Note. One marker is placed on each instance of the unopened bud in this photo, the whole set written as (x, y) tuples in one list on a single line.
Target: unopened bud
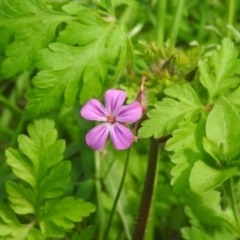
[(141, 97)]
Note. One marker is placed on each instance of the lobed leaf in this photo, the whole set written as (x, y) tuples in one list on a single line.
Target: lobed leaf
[(33, 28), (11, 229), (224, 64), (169, 112), (187, 146), (74, 71), (36, 153), (22, 199), (223, 131), (59, 215)]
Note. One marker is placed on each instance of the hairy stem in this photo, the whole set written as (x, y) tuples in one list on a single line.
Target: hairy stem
[(147, 191), (106, 235)]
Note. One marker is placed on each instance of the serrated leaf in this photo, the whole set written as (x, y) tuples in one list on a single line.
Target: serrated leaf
[(36, 153), (63, 213), (22, 199), (187, 145), (204, 178), (169, 112), (222, 128), (225, 65), (69, 72), (33, 27)]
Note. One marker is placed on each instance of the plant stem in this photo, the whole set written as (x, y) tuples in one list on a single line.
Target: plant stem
[(231, 13), (161, 14), (147, 192), (106, 235), (177, 21), (233, 203), (11, 106)]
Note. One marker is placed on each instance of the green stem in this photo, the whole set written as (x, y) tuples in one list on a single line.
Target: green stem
[(8, 104), (231, 14), (106, 236), (100, 212), (230, 186), (147, 191), (177, 21), (161, 14)]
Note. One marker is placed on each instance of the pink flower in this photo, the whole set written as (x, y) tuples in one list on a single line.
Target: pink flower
[(114, 116)]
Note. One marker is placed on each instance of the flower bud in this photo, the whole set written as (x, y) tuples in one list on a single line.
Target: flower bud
[(141, 97)]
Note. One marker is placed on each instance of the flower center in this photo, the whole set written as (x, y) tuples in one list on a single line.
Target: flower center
[(111, 119)]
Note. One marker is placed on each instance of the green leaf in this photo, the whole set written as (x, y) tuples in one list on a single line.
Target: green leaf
[(86, 234), (199, 231), (207, 208), (222, 129), (187, 146), (224, 65), (22, 199), (61, 214), (234, 98), (81, 71), (11, 229), (59, 177), (36, 153), (204, 178), (169, 112), (33, 27), (111, 4)]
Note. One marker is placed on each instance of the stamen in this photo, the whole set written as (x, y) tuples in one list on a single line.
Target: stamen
[(111, 119)]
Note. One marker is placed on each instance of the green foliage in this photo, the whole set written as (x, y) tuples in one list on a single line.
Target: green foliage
[(222, 132), (32, 25), (111, 4), (187, 147), (38, 162), (170, 112), (204, 178), (218, 77), (200, 231), (70, 71)]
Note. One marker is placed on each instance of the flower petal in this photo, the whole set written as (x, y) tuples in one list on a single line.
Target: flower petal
[(97, 137), (121, 136), (113, 100), (129, 113), (94, 110)]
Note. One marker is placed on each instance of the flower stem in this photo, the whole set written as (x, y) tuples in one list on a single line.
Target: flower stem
[(147, 192), (106, 235), (233, 203)]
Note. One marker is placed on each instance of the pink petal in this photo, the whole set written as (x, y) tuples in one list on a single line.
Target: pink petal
[(94, 110), (121, 136), (113, 100), (97, 137), (129, 113)]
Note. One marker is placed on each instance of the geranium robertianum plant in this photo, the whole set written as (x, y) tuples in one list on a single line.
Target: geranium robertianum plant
[(172, 171)]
